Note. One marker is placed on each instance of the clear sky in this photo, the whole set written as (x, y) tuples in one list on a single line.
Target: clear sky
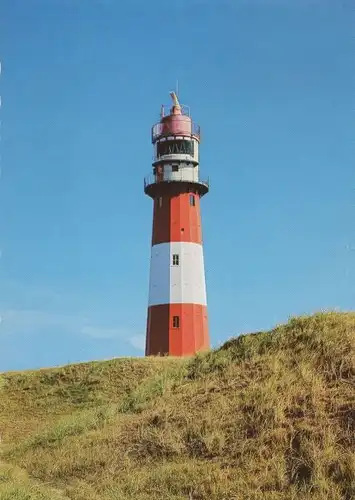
[(271, 83)]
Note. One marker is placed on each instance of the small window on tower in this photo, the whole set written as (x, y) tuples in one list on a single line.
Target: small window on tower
[(176, 321), (160, 202), (192, 200), (175, 168), (175, 259)]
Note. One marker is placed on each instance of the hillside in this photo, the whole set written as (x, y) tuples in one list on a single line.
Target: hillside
[(267, 416)]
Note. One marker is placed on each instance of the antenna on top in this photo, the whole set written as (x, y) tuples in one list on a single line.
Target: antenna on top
[(177, 88)]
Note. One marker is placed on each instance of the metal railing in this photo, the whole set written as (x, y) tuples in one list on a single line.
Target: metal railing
[(157, 130), (166, 109), (174, 177)]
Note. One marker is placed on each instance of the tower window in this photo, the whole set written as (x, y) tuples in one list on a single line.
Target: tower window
[(176, 259), (160, 202), (176, 321), (175, 168), (192, 200)]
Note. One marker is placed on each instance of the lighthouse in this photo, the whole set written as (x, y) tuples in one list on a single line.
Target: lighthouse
[(177, 320)]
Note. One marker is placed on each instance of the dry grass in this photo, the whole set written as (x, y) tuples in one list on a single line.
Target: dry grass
[(268, 416)]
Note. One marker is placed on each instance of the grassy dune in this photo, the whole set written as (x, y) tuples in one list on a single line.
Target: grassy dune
[(267, 416)]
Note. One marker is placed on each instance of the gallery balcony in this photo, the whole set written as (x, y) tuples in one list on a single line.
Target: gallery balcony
[(155, 185)]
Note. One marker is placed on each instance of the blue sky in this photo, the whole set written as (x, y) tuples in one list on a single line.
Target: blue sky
[(272, 85)]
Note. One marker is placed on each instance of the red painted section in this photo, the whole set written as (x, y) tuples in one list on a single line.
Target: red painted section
[(190, 337), (176, 125), (175, 219)]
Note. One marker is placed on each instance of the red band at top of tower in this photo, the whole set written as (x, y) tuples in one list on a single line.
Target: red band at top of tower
[(177, 122)]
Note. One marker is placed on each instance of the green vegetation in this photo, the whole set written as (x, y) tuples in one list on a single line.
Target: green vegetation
[(267, 416)]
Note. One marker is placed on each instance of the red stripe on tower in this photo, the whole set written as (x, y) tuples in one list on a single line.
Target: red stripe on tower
[(177, 322)]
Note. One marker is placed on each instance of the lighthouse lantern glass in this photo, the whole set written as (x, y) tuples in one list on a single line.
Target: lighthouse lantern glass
[(175, 147)]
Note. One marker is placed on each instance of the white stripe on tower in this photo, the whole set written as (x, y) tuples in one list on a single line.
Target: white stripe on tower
[(177, 274)]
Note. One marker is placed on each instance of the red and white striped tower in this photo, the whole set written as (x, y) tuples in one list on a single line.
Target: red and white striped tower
[(177, 322)]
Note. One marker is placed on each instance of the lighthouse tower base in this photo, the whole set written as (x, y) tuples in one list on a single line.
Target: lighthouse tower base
[(186, 341)]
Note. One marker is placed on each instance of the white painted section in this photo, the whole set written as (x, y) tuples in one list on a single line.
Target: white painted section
[(187, 172), (177, 157), (173, 137), (182, 284)]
